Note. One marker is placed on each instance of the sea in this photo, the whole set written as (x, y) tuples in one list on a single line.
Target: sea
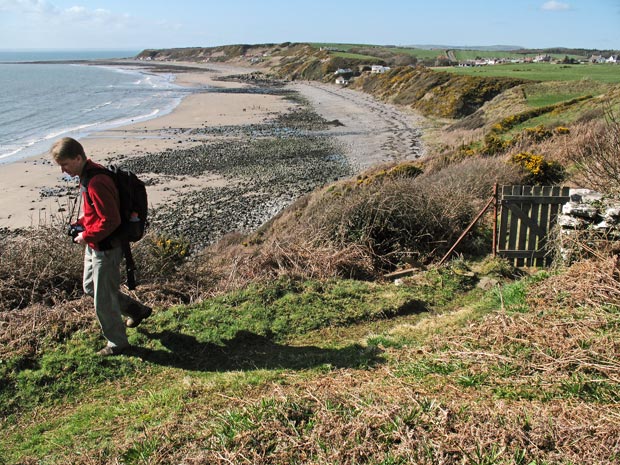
[(44, 98)]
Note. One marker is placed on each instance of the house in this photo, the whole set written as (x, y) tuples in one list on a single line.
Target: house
[(379, 69), (343, 71), (342, 81), (597, 59), (542, 59), (612, 59)]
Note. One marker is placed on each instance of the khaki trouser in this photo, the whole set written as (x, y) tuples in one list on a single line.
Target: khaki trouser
[(102, 279)]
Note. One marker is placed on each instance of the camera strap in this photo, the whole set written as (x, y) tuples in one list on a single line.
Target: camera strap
[(76, 202)]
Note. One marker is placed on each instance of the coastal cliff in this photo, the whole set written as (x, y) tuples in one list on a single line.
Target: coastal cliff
[(430, 92)]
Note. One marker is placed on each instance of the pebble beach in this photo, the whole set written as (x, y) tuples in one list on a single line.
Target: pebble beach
[(229, 157)]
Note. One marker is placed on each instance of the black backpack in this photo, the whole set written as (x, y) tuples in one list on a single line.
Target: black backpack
[(133, 200), (133, 210)]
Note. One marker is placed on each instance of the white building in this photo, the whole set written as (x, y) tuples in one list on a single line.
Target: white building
[(378, 69)]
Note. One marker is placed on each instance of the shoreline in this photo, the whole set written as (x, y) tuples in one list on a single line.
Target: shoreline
[(231, 123), (28, 196)]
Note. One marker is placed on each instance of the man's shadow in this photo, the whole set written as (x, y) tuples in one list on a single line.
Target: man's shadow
[(248, 351)]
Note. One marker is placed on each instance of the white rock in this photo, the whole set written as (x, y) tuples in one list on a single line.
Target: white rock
[(584, 195), (581, 210), (567, 221)]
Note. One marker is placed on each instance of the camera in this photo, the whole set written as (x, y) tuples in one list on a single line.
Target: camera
[(73, 230)]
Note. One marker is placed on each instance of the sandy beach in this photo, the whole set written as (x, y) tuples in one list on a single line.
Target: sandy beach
[(33, 191)]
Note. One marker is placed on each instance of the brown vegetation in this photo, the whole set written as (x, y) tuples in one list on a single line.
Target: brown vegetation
[(528, 383), (596, 155), (38, 266), (434, 93)]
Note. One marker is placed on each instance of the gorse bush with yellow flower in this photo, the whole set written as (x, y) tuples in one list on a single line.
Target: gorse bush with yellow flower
[(539, 171), (168, 252)]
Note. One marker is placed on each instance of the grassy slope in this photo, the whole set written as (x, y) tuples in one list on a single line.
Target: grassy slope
[(434, 371), (341, 372)]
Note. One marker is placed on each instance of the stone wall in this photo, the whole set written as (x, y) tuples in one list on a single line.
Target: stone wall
[(588, 221)]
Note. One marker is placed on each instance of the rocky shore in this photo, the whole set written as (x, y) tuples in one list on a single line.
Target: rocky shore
[(236, 151), (266, 168)]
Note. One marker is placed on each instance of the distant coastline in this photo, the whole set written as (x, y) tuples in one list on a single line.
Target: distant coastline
[(21, 56)]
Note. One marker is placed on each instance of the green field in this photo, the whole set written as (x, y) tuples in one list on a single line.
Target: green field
[(345, 48), (473, 54), (355, 56), (543, 72), (434, 53)]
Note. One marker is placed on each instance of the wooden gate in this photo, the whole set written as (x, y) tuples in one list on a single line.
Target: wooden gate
[(527, 214)]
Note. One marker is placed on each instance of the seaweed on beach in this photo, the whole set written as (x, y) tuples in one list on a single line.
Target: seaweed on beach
[(268, 166), (265, 176)]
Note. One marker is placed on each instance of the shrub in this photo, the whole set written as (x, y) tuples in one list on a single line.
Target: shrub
[(159, 256), (537, 134), (494, 145), (596, 157), (539, 171), (406, 170), (409, 217), (39, 265)]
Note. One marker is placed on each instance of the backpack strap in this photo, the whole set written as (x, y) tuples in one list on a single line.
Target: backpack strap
[(130, 265), (88, 175)]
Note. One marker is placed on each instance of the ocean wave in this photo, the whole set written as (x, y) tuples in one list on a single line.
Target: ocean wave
[(131, 119), (96, 107), (7, 151), (98, 102), (14, 150)]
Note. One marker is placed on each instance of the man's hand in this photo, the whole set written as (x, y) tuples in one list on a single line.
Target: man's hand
[(79, 239)]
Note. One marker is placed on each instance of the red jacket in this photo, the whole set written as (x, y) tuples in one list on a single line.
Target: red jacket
[(101, 206)]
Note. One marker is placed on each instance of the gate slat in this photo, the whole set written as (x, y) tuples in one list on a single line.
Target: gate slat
[(514, 224), (524, 223), (502, 239), (534, 237)]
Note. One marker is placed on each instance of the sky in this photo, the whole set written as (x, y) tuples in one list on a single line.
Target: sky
[(141, 24)]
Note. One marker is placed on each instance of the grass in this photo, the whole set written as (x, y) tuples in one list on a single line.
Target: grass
[(550, 93), (543, 72), (418, 52), (226, 344), (247, 329), (473, 54), (434, 53), (355, 56), (325, 372), (432, 370), (550, 99)]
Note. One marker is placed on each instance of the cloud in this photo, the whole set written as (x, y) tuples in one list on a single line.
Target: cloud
[(99, 15), (40, 7), (44, 11), (553, 5)]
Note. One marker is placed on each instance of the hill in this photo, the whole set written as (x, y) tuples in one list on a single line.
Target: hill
[(329, 371), (291, 345), (446, 92)]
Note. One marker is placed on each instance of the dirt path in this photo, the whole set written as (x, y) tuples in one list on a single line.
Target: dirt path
[(374, 132)]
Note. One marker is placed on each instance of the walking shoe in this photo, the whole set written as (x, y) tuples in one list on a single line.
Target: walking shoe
[(132, 322), (112, 350)]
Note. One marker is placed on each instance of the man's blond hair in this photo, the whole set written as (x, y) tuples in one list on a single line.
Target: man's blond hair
[(67, 148)]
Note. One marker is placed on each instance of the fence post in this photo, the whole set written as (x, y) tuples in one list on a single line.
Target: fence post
[(495, 212)]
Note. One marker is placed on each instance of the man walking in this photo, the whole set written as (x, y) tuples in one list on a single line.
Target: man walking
[(100, 232)]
